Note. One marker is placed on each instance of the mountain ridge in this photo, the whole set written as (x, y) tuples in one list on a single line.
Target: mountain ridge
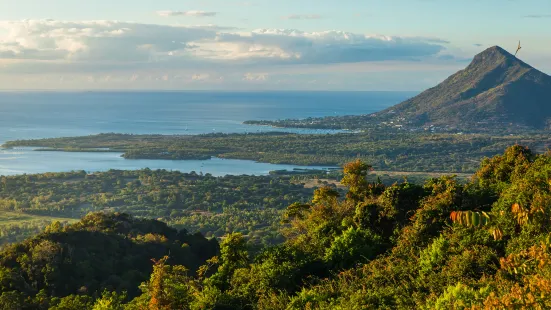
[(496, 88), (497, 92)]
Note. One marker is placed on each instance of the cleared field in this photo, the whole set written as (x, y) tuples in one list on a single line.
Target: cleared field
[(10, 218), (15, 226)]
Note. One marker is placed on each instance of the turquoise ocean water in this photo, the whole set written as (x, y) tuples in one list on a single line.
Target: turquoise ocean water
[(30, 115)]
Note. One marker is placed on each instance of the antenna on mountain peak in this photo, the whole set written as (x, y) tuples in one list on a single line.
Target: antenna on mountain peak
[(518, 48)]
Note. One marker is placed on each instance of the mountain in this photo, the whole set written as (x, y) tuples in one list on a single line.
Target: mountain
[(495, 90)]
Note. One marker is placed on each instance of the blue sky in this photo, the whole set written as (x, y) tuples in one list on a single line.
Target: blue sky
[(258, 44)]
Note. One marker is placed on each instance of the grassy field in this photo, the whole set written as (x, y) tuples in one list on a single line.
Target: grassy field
[(10, 218), (15, 226)]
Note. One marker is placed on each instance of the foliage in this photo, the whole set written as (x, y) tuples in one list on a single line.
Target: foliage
[(353, 245), (211, 205), (397, 150), (387, 247), (101, 252)]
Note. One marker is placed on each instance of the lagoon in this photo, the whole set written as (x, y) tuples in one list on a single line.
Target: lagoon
[(27, 161), (32, 115)]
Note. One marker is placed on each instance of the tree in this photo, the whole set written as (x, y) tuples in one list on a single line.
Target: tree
[(110, 301), (233, 255), (355, 174), (325, 194), (72, 302), (12, 300), (354, 245)]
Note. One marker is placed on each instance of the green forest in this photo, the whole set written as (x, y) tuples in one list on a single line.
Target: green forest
[(214, 206), (441, 244), (383, 149)]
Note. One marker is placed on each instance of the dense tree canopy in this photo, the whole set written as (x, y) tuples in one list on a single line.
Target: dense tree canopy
[(101, 252), (212, 205), (402, 246)]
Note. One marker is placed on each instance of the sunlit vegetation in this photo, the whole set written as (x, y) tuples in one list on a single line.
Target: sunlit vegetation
[(383, 149), (16, 226), (110, 253), (400, 246), (212, 205)]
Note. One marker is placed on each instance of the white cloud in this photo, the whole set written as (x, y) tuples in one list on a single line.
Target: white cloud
[(295, 46), (200, 77), (95, 40), (120, 43), (186, 13), (138, 54), (261, 77)]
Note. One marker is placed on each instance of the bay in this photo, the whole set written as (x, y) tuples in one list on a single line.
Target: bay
[(25, 160), (32, 115)]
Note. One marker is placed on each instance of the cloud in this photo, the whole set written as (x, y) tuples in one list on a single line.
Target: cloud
[(200, 77), (118, 55), (446, 57), (299, 16), (93, 41), (389, 75), (294, 46), (258, 77), (186, 13), (538, 16), (114, 44)]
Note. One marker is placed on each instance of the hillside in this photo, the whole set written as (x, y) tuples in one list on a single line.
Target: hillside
[(496, 89), (484, 244), (101, 251), (496, 92)]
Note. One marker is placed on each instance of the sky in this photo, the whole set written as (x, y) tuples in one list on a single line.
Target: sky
[(371, 45)]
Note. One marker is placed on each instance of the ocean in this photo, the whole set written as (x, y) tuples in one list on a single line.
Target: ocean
[(31, 115)]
